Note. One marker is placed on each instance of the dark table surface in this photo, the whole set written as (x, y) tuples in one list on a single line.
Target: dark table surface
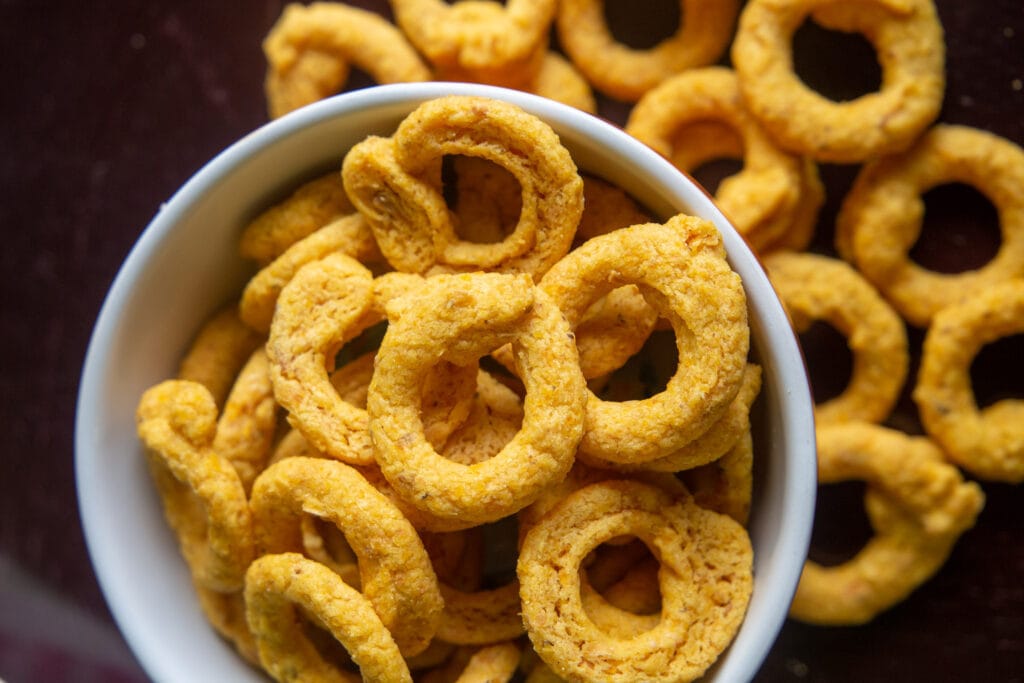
[(108, 107)]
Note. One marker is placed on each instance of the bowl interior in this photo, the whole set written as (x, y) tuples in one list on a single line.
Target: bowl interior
[(185, 265)]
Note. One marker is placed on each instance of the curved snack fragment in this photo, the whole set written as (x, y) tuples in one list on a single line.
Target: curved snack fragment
[(395, 571), (279, 587), (918, 505), (310, 48), (987, 442)]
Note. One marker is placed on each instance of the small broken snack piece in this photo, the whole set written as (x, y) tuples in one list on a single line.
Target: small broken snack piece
[(705, 581), (626, 73), (883, 214), (988, 442), (281, 589), (681, 269), (762, 199), (311, 47), (459, 318), (396, 574), (908, 41), (395, 183), (819, 288), (203, 498), (918, 505)]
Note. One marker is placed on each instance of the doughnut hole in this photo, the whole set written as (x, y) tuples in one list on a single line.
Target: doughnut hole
[(829, 360), (644, 374), (996, 372), (620, 571), (841, 526), (838, 65), (485, 199), (959, 231), (642, 25)]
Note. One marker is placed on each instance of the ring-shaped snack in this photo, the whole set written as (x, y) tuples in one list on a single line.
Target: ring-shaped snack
[(626, 73), (311, 47), (918, 504), (680, 268), (909, 45), (480, 41), (280, 587), (458, 318), (327, 303), (814, 287), (202, 496), (882, 216), (705, 577), (987, 442), (761, 198), (480, 617), (396, 183), (395, 571)]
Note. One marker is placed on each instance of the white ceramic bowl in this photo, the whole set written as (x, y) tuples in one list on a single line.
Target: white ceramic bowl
[(185, 265)]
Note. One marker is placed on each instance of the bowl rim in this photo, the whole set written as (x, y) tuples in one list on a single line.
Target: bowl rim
[(800, 482)]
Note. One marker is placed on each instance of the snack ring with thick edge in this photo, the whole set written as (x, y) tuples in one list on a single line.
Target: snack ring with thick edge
[(681, 270), (395, 571), (458, 318), (705, 578), (626, 73), (815, 287), (310, 48), (909, 45), (203, 498), (396, 183), (279, 586), (988, 442), (917, 503), (882, 216)]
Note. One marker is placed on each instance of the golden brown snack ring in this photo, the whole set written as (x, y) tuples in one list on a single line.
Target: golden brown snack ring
[(815, 287), (706, 571), (909, 45), (339, 290), (308, 208), (458, 318), (681, 269), (278, 587), (479, 41), (919, 505), (709, 446), (218, 352), (395, 183), (760, 199), (480, 617), (396, 574), (310, 48), (626, 73), (987, 442), (881, 217), (203, 498)]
